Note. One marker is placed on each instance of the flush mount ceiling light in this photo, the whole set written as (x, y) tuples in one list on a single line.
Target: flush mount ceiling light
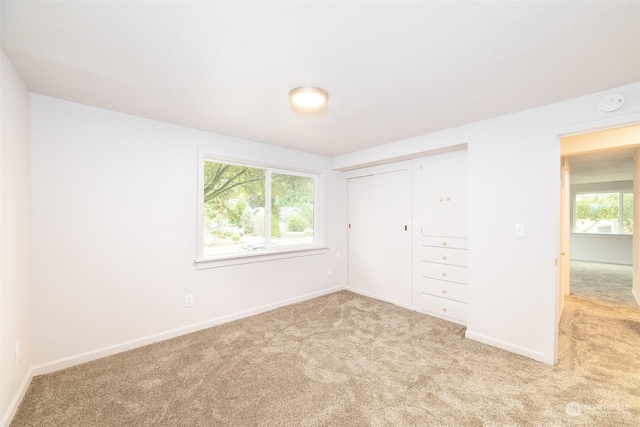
[(308, 100)]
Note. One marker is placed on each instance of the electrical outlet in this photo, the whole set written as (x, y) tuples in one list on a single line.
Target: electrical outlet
[(18, 351), (188, 301), (338, 256), (329, 270)]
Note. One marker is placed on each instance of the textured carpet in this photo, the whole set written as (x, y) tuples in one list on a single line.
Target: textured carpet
[(348, 360), (609, 283)]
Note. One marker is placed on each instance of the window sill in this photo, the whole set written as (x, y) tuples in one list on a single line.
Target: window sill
[(602, 235), (228, 260)]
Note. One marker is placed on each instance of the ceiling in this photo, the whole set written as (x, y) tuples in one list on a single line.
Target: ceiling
[(602, 166), (393, 70)]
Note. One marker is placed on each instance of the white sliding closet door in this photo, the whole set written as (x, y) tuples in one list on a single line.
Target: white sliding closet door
[(360, 232), (380, 237)]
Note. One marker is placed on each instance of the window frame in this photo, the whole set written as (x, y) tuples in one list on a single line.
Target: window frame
[(574, 215), (286, 251)]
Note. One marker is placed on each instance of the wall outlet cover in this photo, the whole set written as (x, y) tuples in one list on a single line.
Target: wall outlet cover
[(188, 301)]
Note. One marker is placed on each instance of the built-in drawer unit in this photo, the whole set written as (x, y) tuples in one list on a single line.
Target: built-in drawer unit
[(440, 257), (444, 242), (440, 288), (440, 283), (444, 255), (450, 273), (442, 307)]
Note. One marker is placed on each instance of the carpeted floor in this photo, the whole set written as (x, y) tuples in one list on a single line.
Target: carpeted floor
[(608, 283), (347, 360)]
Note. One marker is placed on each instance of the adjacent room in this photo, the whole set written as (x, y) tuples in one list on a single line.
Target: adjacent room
[(601, 249), (319, 213)]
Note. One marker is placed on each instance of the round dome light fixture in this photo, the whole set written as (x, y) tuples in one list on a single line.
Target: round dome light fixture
[(308, 99)]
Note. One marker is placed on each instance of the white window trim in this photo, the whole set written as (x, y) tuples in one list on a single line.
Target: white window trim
[(316, 248), (262, 256)]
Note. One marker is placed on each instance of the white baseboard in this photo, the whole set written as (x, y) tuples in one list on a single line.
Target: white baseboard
[(535, 355), (78, 359), (378, 297), (635, 296), (15, 403)]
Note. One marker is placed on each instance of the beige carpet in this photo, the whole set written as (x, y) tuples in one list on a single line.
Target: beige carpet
[(608, 283), (348, 360)]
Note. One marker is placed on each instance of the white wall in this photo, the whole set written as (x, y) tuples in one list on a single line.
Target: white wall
[(612, 249), (514, 170), (114, 234), (15, 262)]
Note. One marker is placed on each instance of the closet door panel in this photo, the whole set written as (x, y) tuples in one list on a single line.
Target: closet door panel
[(432, 198), (391, 236), (456, 198), (379, 213), (360, 201)]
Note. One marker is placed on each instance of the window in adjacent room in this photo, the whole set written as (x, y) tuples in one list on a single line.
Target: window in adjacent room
[(604, 213)]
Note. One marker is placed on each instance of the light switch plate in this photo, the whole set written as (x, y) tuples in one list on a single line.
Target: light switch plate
[(519, 230)]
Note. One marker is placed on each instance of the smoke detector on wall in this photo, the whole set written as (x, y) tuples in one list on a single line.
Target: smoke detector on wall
[(611, 103)]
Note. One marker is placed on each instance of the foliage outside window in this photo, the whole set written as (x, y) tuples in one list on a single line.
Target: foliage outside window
[(249, 209), (604, 213)]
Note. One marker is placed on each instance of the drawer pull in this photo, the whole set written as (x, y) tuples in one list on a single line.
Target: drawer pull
[(444, 274), (444, 243), (444, 291), (444, 309), (440, 199), (448, 198), (444, 257)]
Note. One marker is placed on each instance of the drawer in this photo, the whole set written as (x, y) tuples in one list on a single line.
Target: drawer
[(441, 288), (444, 255), (441, 307), (444, 242), (450, 273)]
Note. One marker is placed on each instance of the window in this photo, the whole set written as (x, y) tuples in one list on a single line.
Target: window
[(251, 210), (603, 213)]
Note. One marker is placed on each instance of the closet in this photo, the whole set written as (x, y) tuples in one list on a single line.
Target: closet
[(440, 249), (379, 236), (407, 235)]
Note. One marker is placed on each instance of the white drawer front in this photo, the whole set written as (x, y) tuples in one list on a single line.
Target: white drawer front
[(443, 307), (450, 273), (444, 255), (440, 288), (444, 242)]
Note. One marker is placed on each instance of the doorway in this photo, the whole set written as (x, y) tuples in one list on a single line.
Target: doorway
[(599, 181), (579, 319)]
